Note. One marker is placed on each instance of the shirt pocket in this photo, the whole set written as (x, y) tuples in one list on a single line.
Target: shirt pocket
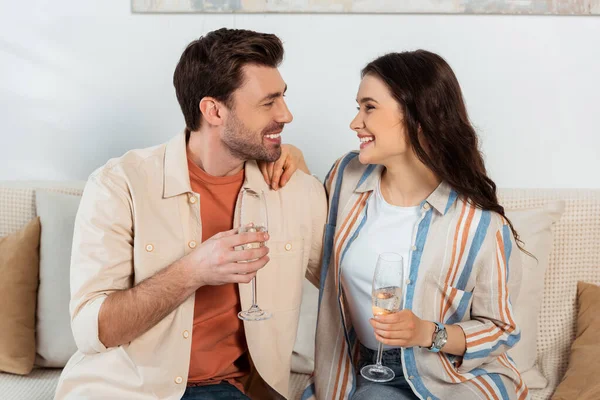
[(455, 303), (152, 254), (451, 305), (281, 287)]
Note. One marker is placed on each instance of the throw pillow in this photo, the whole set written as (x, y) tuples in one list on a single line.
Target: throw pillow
[(534, 226), (581, 379), (19, 263), (55, 343)]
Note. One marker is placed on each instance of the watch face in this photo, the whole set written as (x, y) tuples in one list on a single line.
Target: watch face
[(441, 338)]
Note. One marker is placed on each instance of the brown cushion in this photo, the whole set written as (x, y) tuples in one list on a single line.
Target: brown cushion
[(19, 266), (581, 380)]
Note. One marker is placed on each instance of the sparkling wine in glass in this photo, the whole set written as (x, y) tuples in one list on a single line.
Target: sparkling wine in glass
[(386, 297), (253, 218)]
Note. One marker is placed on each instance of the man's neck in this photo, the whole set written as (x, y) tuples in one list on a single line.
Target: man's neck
[(206, 150)]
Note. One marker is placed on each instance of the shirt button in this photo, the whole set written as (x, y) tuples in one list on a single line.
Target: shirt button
[(192, 244), (149, 247), (429, 398), (414, 248), (288, 246), (193, 199), (408, 282), (426, 206), (411, 378), (186, 334), (178, 380)]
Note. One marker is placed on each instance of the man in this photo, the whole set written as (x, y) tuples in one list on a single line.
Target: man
[(156, 283)]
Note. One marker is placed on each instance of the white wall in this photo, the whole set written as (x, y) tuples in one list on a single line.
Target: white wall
[(83, 81)]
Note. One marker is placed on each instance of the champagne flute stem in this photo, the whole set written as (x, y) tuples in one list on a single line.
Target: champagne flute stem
[(254, 305), (379, 354)]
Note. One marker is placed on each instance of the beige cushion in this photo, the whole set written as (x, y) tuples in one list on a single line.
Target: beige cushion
[(19, 263), (55, 343), (534, 227), (575, 257), (581, 379)]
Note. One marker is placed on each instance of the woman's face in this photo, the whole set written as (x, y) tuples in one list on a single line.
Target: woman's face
[(379, 123)]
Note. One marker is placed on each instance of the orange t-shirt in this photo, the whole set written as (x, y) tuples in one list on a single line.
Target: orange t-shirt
[(218, 342)]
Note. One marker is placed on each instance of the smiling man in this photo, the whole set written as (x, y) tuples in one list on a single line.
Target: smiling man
[(156, 284)]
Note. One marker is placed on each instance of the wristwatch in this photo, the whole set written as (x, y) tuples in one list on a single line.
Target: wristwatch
[(440, 337)]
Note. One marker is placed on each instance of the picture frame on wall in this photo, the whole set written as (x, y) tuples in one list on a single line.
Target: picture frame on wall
[(510, 7)]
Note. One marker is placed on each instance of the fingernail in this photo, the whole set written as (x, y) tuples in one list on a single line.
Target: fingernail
[(266, 236)]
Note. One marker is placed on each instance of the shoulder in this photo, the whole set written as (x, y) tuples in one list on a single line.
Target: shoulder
[(149, 160), (305, 184), (348, 167), (119, 175), (482, 228)]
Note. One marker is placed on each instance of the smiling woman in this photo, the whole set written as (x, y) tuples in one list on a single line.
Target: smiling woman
[(417, 187), (378, 122)]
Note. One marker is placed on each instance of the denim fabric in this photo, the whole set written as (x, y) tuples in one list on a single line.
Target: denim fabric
[(398, 388), (221, 391)]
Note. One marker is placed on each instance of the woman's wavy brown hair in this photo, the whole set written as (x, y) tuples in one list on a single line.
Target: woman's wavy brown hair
[(438, 125)]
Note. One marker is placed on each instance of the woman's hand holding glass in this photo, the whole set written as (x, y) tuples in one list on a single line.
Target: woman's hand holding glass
[(403, 329)]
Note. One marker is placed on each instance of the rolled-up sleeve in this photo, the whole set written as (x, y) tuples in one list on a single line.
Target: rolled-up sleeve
[(102, 254), (492, 330)]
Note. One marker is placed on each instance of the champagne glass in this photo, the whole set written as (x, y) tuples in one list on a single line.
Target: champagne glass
[(386, 298), (253, 218)]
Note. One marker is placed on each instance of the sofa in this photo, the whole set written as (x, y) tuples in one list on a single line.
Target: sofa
[(572, 254)]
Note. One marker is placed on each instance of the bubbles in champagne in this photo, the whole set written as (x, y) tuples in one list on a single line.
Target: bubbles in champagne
[(386, 300)]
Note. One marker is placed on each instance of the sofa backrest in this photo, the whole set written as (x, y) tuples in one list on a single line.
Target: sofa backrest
[(575, 257), (17, 201)]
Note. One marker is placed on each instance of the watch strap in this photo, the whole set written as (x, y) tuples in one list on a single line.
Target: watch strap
[(438, 327)]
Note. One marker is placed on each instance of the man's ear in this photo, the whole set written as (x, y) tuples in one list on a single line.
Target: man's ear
[(212, 111)]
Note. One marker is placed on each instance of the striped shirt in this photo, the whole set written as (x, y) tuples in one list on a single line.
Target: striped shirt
[(463, 264)]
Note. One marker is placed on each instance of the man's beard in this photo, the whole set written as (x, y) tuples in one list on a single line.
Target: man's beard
[(244, 144)]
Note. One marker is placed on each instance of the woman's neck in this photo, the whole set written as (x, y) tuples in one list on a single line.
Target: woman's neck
[(406, 181)]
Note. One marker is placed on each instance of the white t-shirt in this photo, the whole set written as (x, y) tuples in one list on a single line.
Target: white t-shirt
[(388, 228)]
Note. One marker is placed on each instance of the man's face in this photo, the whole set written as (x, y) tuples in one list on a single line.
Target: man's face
[(257, 116)]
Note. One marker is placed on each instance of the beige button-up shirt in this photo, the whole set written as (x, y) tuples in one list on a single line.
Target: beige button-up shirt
[(138, 215)]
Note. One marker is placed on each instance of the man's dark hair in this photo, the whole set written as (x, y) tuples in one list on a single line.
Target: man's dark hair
[(212, 66)]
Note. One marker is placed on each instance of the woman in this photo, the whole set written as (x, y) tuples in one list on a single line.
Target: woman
[(418, 187)]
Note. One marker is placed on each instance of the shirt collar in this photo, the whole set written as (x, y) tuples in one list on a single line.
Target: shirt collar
[(176, 177), (441, 199), (253, 178)]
